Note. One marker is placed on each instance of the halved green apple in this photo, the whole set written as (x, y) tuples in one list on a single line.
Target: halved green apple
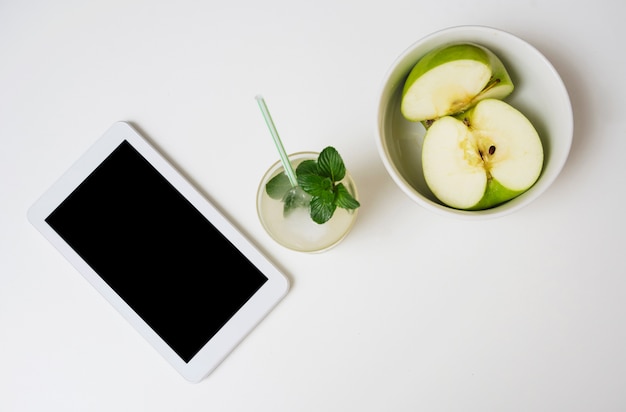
[(483, 157), (452, 78)]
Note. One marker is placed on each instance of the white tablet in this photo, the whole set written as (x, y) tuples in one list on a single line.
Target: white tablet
[(158, 251)]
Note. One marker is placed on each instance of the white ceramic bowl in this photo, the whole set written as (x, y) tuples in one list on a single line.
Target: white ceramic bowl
[(539, 93)]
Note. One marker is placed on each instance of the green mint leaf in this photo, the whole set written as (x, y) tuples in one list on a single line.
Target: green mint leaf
[(318, 187), (344, 199), (307, 167), (315, 185), (331, 164), (321, 210), (278, 186)]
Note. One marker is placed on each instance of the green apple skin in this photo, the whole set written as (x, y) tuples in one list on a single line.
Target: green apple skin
[(482, 158), (450, 79), (495, 194)]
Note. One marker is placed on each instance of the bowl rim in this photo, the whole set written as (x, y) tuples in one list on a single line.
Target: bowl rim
[(544, 182)]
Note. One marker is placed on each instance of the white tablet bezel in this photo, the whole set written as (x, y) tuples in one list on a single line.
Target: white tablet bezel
[(257, 307)]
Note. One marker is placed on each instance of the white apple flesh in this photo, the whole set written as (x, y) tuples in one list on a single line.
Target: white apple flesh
[(483, 157), (451, 79)]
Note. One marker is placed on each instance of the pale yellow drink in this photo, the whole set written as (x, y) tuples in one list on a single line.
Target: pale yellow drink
[(297, 230)]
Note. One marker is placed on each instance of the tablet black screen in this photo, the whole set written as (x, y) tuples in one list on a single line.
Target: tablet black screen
[(156, 250)]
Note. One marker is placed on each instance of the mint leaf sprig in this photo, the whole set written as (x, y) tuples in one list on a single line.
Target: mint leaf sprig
[(320, 187)]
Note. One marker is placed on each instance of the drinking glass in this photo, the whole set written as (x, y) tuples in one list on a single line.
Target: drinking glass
[(296, 230)]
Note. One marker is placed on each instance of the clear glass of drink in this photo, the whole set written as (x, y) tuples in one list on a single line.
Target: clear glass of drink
[(295, 229)]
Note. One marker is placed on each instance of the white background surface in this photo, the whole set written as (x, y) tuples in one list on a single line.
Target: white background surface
[(412, 311)]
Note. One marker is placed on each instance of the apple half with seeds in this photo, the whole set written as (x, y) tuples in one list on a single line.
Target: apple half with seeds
[(482, 157), (451, 79)]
